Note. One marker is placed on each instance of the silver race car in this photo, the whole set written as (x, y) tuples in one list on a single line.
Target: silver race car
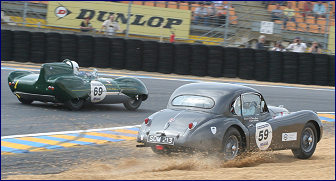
[(228, 119)]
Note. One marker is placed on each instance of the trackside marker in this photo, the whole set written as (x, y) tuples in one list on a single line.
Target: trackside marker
[(69, 132)]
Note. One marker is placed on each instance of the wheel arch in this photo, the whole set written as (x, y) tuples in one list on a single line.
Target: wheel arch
[(318, 129), (132, 86), (242, 134)]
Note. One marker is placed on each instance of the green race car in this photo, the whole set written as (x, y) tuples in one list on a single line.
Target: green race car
[(62, 82)]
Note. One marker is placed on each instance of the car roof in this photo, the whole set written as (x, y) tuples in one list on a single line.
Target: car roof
[(222, 93)]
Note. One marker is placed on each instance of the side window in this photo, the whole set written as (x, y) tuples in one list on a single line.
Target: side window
[(251, 104), (263, 106), (236, 107)]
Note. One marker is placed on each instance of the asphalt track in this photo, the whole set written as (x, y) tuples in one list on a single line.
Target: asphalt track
[(18, 119)]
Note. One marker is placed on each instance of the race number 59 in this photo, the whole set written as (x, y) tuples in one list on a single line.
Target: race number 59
[(263, 135)]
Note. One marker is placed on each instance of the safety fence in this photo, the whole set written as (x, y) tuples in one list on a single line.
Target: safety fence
[(179, 58)]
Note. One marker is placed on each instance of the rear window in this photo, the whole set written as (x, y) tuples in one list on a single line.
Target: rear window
[(193, 101)]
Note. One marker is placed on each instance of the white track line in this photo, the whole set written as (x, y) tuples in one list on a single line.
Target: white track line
[(325, 112), (68, 132)]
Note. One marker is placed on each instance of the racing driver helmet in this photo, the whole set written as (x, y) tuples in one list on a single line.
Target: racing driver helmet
[(75, 66)]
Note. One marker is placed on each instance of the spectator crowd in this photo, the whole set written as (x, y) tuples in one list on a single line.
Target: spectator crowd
[(296, 46), (302, 13)]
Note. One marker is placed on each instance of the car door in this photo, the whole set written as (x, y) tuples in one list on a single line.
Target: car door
[(257, 119)]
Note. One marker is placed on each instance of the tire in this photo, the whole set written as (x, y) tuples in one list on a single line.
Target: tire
[(25, 101), (133, 104), (74, 104), (182, 58), (133, 57), (101, 56), (246, 63), (230, 62), (6, 45), (232, 144), (306, 149)]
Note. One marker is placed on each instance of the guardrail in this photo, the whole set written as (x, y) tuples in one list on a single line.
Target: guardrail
[(179, 58)]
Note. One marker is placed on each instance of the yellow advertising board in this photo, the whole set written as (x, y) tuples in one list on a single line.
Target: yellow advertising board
[(145, 20)]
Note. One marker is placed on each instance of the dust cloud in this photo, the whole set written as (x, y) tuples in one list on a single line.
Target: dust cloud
[(259, 165)]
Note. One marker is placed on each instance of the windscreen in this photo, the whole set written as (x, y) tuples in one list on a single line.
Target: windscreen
[(193, 101)]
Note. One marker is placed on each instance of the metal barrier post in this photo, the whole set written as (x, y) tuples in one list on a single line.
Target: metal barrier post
[(25, 12), (128, 17), (227, 19), (326, 30)]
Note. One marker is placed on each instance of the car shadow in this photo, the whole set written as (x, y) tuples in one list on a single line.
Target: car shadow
[(88, 107)]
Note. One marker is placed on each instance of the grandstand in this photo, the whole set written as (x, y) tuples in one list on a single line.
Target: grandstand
[(239, 27)]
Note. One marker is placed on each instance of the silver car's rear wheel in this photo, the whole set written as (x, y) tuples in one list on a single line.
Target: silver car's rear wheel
[(231, 147), (232, 144)]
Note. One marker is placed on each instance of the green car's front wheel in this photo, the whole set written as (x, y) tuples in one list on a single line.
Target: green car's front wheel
[(74, 104), (133, 103), (25, 101)]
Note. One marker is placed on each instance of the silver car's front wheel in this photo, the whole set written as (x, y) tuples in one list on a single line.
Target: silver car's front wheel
[(308, 141)]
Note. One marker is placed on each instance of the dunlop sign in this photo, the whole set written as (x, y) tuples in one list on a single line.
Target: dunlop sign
[(144, 20)]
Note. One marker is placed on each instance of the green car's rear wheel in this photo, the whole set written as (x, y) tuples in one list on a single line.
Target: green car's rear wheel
[(133, 103), (74, 104), (25, 101)]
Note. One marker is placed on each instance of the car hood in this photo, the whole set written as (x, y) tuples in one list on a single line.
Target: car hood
[(175, 122)]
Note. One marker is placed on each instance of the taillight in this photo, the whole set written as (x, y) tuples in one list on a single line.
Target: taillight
[(191, 125), (159, 147), (51, 88), (146, 120)]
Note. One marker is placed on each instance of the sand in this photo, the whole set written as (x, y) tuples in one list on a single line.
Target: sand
[(143, 164)]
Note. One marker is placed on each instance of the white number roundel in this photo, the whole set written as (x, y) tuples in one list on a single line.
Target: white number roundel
[(263, 135), (98, 91)]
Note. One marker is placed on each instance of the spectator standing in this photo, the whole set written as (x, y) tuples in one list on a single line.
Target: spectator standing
[(201, 14), (222, 14), (213, 14), (217, 3), (278, 47), (307, 9), (172, 38), (319, 10), (261, 43), (289, 14), (297, 46), (110, 26), (276, 13), (315, 48), (86, 26)]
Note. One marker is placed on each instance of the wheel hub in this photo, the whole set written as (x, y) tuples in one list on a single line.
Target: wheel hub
[(310, 139), (231, 148)]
